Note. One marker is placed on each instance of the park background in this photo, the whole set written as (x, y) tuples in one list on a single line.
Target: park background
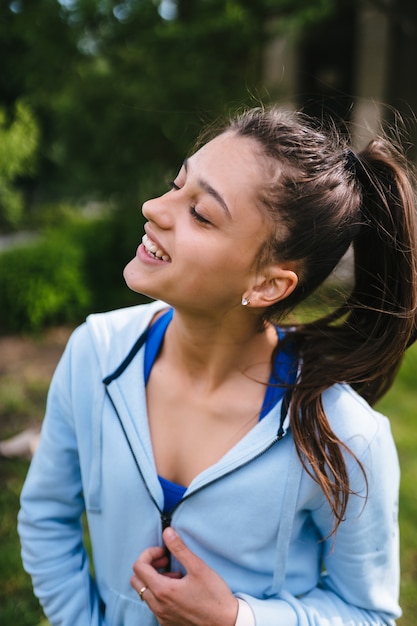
[(99, 102)]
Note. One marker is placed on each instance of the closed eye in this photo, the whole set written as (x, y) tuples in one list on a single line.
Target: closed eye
[(194, 214), (198, 217)]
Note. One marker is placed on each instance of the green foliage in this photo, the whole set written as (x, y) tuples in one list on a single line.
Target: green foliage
[(400, 406), (18, 606), (136, 87), (142, 87), (73, 269), (18, 145), (105, 249), (42, 283)]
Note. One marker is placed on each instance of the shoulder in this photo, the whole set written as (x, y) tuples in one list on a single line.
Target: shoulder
[(355, 422), (127, 319), (107, 337)]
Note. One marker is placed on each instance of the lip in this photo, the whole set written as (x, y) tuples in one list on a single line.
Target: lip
[(142, 252), (151, 235)]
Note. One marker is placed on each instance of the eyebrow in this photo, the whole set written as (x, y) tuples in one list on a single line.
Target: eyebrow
[(210, 190)]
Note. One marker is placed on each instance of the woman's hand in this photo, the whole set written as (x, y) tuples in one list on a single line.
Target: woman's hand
[(200, 598)]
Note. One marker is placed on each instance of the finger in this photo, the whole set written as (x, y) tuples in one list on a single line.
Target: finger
[(144, 575), (182, 553), (161, 563), (146, 566), (151, 555), (138, 585), (150, 565), (176, 575)]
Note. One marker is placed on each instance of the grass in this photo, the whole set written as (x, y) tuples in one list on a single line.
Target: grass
[(18, 607), (400, 404)]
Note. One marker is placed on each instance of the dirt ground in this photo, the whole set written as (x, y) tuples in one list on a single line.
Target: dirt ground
[(26, 367)]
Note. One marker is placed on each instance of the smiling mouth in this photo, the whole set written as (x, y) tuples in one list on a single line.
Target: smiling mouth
[(153, 250)]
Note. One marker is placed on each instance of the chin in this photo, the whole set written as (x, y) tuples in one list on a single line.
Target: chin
[(131, 277), (134, 280)]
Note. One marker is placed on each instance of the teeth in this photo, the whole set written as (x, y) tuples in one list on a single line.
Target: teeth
[(153, 249)]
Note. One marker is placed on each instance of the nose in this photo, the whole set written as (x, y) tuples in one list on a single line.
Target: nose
[(159, 211)]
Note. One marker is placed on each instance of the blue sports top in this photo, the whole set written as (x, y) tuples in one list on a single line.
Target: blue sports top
[(283, 373)]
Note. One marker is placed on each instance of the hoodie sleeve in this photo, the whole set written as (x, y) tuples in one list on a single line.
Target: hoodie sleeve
[(359, 583), (50, 521)]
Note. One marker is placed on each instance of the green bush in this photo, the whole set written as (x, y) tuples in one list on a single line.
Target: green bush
[(107, 244), (73, 269), (42, 283), (105, 253)]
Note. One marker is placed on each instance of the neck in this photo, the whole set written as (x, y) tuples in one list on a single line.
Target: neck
[(210, 350)]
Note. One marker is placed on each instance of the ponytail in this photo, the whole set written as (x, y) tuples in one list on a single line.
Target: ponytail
[(384, 298), (364, 341), (325, 198), (379, 316)]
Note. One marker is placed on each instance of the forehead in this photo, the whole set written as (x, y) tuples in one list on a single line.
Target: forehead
[(232, 162)]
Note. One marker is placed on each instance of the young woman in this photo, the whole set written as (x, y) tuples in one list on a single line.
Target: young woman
[(231, 468)]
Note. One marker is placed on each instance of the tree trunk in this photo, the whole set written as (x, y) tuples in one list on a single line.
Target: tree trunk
[(401, 79)]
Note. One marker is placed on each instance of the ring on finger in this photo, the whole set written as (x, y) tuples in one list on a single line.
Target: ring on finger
[(141, 592)]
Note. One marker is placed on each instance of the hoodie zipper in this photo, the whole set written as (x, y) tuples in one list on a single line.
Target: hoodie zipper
[(166, 518)]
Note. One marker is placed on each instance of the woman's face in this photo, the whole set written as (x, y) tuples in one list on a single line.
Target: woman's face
[(203, 236)]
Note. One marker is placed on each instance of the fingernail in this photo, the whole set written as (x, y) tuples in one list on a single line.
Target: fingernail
[(169, 533)]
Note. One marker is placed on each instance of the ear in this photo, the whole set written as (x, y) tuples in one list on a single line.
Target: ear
[(272, 286)]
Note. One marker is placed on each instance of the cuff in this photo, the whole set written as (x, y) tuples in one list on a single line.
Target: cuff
[(245, 617)]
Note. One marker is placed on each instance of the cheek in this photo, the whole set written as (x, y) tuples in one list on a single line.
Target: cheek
[(228, 254)]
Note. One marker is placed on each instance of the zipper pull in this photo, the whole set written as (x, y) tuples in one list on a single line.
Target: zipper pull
[(166, 521)]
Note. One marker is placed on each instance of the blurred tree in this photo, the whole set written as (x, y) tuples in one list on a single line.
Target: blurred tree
[(143, 83), (18, 144), (325, 55), (36, 49), (120, 87), (401, 88)]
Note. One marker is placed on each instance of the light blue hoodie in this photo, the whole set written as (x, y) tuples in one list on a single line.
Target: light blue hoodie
[(256, 517)]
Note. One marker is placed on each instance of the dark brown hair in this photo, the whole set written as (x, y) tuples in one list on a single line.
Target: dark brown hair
[(326, 198)]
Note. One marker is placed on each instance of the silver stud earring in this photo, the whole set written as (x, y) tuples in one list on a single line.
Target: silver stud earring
[(245, 301)]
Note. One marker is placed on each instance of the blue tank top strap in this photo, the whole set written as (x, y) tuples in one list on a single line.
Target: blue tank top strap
[(283, 374), (154, 341)]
